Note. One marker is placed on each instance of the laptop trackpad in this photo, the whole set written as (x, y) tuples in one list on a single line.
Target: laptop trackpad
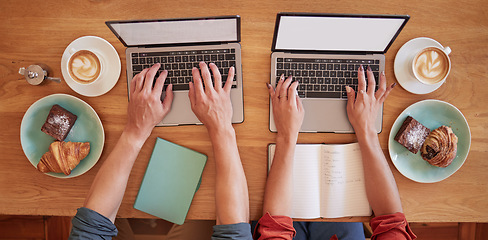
[(181, 112), (325, 115)]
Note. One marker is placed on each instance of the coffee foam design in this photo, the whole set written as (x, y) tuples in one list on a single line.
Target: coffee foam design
[(85, 67), (431, 66)]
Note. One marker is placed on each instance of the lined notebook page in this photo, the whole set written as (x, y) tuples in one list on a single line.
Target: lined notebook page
[(306, 180), (343, 192)]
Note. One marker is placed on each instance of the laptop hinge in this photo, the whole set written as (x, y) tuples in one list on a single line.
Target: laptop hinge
[(182, 44), (331, 52)]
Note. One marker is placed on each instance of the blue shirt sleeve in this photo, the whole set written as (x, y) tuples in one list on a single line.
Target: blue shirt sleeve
[(89, 224)]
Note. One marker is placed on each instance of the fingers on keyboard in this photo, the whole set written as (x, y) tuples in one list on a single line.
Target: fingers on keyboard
[(325, 78), (180, 63)]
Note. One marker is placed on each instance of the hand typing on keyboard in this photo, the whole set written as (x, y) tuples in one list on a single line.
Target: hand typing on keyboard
[(288, 110), (362, 109), (145, 107), (211, 105)]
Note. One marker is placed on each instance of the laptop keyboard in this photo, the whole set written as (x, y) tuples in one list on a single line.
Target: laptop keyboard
[(180, 63), (325, 78)]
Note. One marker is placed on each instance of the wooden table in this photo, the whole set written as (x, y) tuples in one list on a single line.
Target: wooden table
[(39, 31)]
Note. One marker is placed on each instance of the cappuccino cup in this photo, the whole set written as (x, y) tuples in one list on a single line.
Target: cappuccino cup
[(431, 65), (84, 66)]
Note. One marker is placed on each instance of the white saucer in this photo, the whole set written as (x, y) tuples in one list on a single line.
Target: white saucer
[(402, 65), (111, 63)]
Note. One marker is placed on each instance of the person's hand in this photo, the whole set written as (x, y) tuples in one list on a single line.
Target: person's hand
[(362, 110), (145, 107), (212, 106), (288, 110)]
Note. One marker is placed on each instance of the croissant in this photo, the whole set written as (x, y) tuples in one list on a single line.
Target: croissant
[(440, 147), (63, 157)]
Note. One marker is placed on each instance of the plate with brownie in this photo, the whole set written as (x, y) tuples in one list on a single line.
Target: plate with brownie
[(429, 141), (62, 136)]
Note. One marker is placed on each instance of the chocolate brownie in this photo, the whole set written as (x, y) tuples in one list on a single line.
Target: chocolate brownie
[(59, 122), (412, 134)]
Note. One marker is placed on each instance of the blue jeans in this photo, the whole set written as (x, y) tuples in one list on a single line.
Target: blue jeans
[(325, 230)]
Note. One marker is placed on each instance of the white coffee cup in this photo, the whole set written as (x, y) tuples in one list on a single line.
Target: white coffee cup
[(84, 66), (431, 65)]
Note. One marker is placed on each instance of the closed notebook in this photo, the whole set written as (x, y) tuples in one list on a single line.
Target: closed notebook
[(170, 182)]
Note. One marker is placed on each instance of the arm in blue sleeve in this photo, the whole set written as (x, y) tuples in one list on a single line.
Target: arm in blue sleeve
[(89, 224)]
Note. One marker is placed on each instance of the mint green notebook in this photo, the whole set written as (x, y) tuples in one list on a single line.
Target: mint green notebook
[(171, 180)]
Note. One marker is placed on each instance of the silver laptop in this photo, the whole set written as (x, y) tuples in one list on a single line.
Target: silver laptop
[(179, 45), (323, 52)]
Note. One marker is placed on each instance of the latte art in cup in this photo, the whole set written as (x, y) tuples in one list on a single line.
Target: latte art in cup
[(431, 65), (84, 66)]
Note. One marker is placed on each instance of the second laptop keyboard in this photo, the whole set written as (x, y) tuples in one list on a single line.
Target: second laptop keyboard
[(180, 63), (325, 78)]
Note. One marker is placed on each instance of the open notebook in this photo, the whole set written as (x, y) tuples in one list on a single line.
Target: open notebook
[(328, 181)]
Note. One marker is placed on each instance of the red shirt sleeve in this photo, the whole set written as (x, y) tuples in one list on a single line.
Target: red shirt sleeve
[(274, 227), (391, 226)]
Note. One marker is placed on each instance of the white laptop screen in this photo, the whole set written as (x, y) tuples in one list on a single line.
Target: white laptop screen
[(337, 33), (176, 31)]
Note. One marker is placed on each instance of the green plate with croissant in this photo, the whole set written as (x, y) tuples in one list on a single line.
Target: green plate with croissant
[(87, 128), (432, 114)]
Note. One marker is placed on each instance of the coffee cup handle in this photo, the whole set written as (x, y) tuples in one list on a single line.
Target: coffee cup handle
[(447, 50), (71, 51)]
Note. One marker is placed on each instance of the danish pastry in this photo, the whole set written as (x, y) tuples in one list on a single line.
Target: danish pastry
[(440, 147)]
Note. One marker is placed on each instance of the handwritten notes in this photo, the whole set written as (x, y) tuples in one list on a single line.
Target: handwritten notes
[(343, 192), (337, 163)]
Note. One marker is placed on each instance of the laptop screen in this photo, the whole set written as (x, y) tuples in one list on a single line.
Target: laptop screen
[(336, 33), (176, 31)]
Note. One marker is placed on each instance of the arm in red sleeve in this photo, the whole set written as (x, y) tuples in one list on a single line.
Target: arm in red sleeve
[(274, 227), (391, 226)]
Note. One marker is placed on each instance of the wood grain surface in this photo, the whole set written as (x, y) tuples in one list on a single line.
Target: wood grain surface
[(38, 31)]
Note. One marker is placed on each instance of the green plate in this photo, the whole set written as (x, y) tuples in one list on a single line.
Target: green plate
[(432, 114), (87, 128)]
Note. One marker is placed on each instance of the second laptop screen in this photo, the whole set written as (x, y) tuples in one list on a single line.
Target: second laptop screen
[(327, 33)]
